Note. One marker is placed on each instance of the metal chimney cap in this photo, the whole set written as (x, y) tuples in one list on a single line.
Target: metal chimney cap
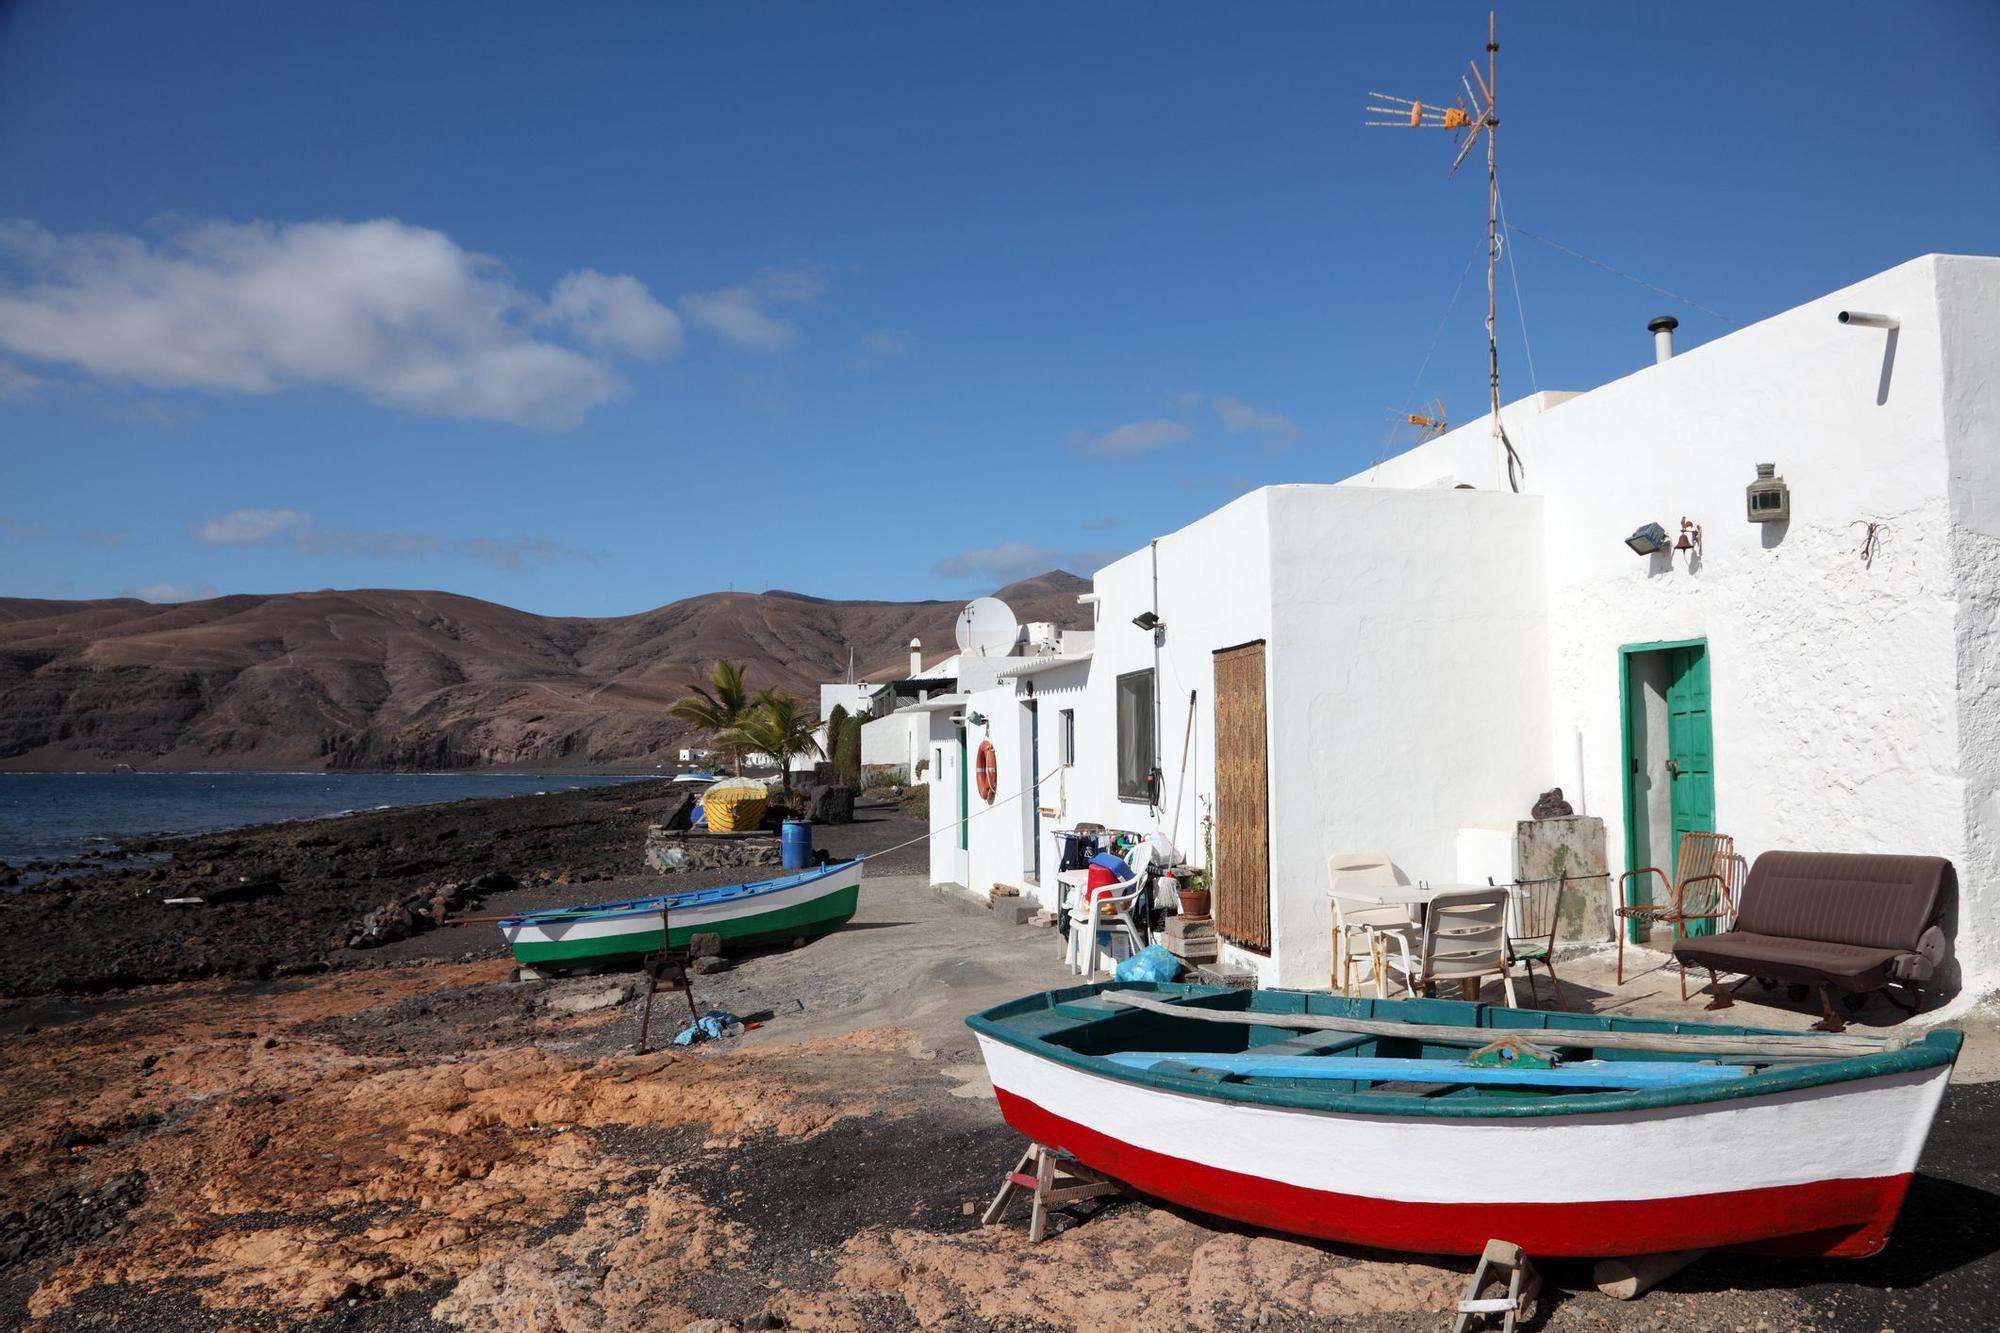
[(1666, 322)]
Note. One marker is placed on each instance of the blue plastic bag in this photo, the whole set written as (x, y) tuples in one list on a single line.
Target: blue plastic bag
[(1151, 963), (713, 1025)]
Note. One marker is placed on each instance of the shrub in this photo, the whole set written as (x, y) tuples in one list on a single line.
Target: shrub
[(847, 753)]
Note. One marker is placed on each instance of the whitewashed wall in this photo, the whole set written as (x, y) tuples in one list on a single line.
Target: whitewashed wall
[(1406, 691), (1066, 687), (1408, 688), (1852, 706), (996, 828), (947, 862), (1968, 294)]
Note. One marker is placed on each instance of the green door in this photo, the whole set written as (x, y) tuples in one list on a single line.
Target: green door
[(964, 796), (1690, 751)]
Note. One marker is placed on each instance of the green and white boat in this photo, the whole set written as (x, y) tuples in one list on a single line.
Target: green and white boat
[(810, 903)]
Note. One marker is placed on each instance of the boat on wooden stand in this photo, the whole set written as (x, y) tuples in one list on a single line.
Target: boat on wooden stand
[(1433, 1125), (811, 903)]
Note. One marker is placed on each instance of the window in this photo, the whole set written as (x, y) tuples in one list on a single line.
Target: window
[(1136, 758), (1066, 737)]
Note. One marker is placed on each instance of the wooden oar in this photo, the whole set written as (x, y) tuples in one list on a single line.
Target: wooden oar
[(1825, 1046)]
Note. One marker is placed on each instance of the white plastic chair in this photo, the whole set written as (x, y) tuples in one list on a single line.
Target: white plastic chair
[(1108, 908), (1358, 924), (1465, 940)]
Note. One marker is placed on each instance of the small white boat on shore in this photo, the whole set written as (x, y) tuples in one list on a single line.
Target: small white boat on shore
[(810, 903), (1384, 1123)]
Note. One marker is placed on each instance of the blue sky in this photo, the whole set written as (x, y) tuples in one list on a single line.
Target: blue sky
[(586, 308)]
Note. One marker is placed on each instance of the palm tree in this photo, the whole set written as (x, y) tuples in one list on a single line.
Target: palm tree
[(780, 728), (719, 715)]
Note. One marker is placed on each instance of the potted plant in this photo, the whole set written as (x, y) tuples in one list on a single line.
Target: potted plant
[(1192, 888), (1191, 892)]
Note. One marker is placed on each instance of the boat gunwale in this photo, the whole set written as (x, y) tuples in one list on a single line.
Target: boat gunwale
[(1937, 1047), (691, 899)]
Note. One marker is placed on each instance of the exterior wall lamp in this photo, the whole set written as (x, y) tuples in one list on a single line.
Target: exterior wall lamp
[(976, 719), (1768, 499), (1648, 540), (1149, 620)]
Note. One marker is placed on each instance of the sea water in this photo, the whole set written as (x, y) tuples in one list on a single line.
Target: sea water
[(71, 816)]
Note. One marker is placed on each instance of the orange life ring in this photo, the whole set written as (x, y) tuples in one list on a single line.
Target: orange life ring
[(986, 771)]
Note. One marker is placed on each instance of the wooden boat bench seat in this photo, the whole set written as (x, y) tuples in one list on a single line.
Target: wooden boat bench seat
[(1855, 923)]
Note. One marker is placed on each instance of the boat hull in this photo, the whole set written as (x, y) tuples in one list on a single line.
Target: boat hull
[(1816, 1171), (804, 905)]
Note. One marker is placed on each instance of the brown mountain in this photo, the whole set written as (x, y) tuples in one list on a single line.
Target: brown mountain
[(381, 678)]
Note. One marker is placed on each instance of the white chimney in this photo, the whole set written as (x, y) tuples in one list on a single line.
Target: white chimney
[(916, 658), (1662, 330)]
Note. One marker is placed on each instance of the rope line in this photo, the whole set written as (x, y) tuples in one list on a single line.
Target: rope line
[(1436, 336), (1651, 287), (1527, 350), (970, 816)]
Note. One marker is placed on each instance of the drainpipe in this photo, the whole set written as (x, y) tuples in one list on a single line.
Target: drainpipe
[(1159, 779), (1662, 330)]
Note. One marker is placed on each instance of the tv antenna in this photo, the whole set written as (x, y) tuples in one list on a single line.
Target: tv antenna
[(1476, 110), (1430, 423)]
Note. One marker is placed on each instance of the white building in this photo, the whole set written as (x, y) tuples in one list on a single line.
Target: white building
[(1420, 650)]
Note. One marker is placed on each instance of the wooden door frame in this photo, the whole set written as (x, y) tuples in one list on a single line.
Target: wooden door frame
[(1626, 652), (1269, 947)]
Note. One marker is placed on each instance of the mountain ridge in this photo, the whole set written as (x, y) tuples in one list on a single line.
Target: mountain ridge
[(402, 678)]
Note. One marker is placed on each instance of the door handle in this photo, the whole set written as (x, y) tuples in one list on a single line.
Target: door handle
[(1673, 769)]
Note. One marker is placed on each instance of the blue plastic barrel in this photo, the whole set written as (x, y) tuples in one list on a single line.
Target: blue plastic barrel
[(795, 841)]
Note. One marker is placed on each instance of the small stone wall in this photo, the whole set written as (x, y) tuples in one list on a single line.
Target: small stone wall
[(669, 851)]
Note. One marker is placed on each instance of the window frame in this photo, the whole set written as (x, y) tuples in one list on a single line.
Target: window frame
[(1139, 791)]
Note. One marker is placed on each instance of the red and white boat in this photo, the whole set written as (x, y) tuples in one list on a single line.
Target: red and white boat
[(1364, 1121)]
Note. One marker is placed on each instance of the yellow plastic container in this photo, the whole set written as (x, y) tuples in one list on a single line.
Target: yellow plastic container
[(735, 807)]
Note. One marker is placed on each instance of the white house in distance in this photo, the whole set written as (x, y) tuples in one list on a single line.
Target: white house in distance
[(1413, 654)]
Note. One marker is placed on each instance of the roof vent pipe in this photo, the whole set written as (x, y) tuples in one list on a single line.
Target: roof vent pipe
[(1662, 330)]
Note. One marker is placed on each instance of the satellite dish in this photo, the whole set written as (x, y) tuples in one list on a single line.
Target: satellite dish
[(987, 627)]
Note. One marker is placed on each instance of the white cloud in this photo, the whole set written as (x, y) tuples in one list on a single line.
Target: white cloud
[(515, 553), (252, 527), (1017, 560), (616, 313), (1238, 416), (27, 529), (295, 528), (398, 314), (882, 345), (170, 592), (739, 315), (16, 382), (1138, 437)]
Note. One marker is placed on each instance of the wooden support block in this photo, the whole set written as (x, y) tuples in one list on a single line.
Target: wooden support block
[(1634, 1275), (1050, 1183)]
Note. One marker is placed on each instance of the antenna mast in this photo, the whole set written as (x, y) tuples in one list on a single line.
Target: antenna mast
[(1475, 111)]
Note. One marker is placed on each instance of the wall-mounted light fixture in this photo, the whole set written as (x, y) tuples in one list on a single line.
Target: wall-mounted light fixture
[(1648, 540), (1690, 538), (1768, 499), (976, 719), (1149, 620)]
